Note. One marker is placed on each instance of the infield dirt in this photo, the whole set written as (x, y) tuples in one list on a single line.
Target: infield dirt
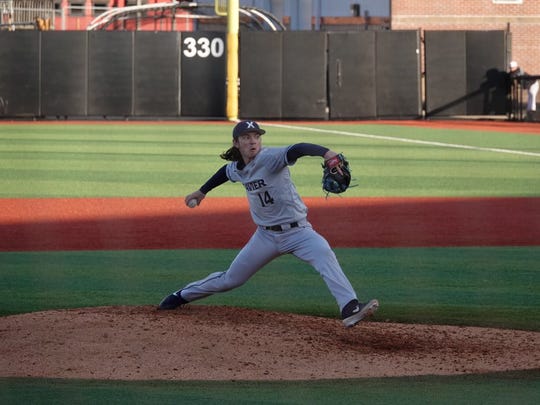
[(224, 343)]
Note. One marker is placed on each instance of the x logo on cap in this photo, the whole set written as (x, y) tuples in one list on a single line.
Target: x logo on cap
[(250, 124)]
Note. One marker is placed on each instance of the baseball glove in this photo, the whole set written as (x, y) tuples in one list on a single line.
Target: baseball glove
[(336, 175)]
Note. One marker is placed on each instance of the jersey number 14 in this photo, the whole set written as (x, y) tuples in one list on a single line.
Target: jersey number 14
[(265, 199)]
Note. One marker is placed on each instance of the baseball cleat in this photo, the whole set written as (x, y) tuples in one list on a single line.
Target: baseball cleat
[(355, 311), (172, 301)]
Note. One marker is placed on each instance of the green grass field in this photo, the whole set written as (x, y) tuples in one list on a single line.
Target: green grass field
[(498, 388), (496, 286), (172, 160)]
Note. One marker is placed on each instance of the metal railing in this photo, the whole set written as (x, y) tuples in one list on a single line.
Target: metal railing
[(17, 14), (518, 97), (31, 14)]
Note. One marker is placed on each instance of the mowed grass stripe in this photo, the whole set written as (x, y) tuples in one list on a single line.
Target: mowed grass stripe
[(408, 140), (172, 160), (480, 138), (459, 286)]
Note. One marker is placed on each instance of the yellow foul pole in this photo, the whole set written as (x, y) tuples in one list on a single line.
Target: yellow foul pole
[(233, 24)]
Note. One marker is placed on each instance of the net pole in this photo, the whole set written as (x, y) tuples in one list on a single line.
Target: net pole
[(233, 24)]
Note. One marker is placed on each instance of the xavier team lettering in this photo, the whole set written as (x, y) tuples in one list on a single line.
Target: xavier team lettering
[(255, 185), (264, 197)]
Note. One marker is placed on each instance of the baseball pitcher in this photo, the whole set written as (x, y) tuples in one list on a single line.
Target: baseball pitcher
[(280, 216)]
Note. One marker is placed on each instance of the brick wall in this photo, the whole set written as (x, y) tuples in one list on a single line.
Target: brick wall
[(523, 20)]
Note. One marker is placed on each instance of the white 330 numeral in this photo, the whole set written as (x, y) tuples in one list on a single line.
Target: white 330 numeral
[(203, 47)]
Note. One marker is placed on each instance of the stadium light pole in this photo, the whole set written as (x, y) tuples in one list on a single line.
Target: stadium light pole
[(233, 24)]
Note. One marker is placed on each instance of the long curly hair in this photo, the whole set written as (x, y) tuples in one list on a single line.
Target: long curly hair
[(232, 154)]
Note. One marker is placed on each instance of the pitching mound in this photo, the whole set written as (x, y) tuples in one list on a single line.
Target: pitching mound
[(225, 343)]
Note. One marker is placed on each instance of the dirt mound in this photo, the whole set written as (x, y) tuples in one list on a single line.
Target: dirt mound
[(227, 343)]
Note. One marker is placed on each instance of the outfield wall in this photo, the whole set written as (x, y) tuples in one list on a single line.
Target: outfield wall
[(283, 75)]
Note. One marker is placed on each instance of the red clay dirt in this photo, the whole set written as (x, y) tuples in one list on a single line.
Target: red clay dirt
[(166, 223), (223, 343), (532, 128), (491, 125), (226, 343)]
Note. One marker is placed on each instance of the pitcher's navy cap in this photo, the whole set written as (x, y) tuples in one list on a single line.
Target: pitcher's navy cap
[(247, 126)]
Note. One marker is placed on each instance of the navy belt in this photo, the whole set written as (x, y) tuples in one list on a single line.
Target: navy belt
[(279, 228)]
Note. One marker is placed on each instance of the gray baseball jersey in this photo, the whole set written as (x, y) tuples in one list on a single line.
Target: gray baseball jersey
[(273, 199), (280, 214)]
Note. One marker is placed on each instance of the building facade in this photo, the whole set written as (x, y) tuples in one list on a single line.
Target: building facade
[(520, 17)]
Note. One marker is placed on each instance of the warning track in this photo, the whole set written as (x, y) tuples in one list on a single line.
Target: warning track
[(166, 223)]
